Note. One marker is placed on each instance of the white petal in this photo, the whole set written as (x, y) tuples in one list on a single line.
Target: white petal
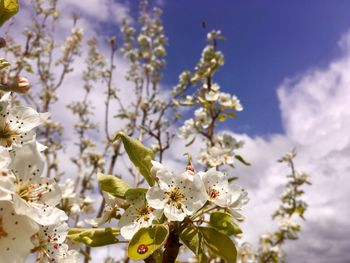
[(27, 162), (4, 159), (71, 257), (7, 185), (42, 214), (155, 197), (173, 213), (25, 118), (194, 192), (165, 177), (16, 245), (127, 231)]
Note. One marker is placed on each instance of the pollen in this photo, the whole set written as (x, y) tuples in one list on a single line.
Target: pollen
[(175, 197), (214, 193), (31, 192), (144, 213)]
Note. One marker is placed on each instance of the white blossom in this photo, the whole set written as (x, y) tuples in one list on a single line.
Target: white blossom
[(202, 118), (245, 253), (225, 100), (218, 188), (49, 242), (17, 123), (15, 233), (211, 96), (236, 104), (139, 214), (287, 224), (111, 210), (32, 195), (187, 129), (178, 195), (222, 152)]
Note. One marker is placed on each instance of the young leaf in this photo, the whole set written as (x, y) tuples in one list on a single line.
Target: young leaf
[(192, 238), (139, 155), (113, 185), (224, 224), (219, 244), (231, 114), (94, 237), (222, 118), (146, 241), (190, 142), (133, 193), (8, 8), (240, 158)]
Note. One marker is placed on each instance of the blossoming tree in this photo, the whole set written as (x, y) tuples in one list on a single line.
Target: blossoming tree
[(193, 212)]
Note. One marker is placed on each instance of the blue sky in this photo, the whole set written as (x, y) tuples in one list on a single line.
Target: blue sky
[(266, 42)]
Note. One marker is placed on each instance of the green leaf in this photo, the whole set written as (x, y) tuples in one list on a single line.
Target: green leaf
[(133, 193), (113, 185), (190, 142), (3, 63), (240, 158), (192, 238), (231, 114), (219, 244), (231, 179), (94, 237), (147, 239), (222, 118), (223, 223), (8, 8), (139, 155)]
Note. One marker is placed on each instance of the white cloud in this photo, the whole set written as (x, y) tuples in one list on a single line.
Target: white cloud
[(316, 118), (98, 11)]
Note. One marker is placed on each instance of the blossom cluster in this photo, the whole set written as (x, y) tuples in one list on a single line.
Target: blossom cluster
[(176, 196), (29, 219), (291, 207), (212, 107)]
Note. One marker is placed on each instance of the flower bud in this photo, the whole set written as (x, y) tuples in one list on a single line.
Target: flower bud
[(17, 84)]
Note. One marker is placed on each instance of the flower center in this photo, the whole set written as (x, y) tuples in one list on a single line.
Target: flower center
[(2, 230), (213, 193), (32, 192), (175, 197), (144, 213), (6, 134)]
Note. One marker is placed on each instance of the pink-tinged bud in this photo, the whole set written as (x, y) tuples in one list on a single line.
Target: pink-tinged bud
[(23, 85), (190, 169), (17, 84)]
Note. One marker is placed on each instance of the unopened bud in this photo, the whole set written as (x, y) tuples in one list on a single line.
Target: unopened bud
[(190, 167), (17, 84), (23, 85)]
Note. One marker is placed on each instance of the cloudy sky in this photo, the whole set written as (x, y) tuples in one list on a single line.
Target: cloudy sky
[(289, 63)]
